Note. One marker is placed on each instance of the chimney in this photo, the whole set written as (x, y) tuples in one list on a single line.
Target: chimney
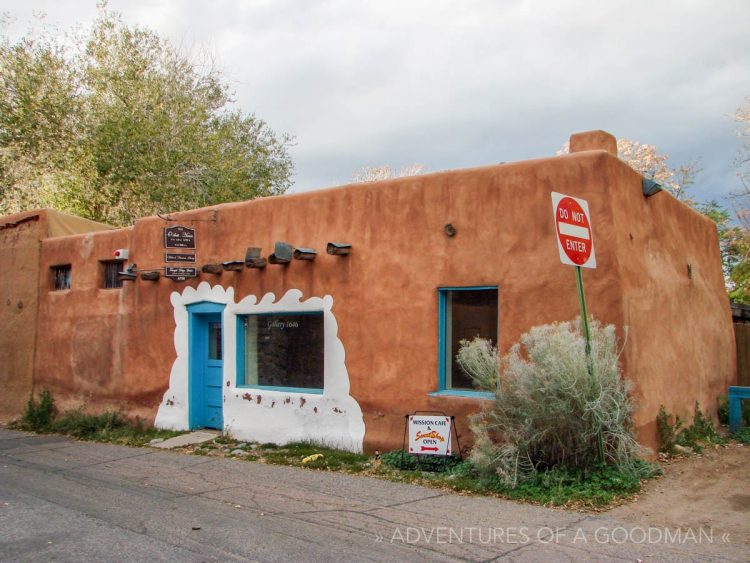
[(593, 141)]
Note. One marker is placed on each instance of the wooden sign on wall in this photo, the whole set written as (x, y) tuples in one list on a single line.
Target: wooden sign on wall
[(179, 237)]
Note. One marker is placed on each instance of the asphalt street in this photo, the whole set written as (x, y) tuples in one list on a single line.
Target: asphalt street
[(64, 500)]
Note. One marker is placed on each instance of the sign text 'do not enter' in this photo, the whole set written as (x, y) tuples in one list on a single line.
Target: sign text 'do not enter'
[(575, 240)]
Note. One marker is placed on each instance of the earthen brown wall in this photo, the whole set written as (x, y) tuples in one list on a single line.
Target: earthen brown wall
[(115, 347), (19, 273), (680, 343)]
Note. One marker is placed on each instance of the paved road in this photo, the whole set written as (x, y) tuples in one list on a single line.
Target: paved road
[(71, 501)]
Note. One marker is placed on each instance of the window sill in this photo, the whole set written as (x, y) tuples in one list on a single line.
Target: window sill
[(466, 393), (299, 390)]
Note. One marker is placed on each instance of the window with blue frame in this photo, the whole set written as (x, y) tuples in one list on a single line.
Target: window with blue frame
[(281, 351), (465, 313)]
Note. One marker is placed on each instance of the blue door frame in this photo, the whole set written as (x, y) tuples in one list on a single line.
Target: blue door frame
[(205, 365)]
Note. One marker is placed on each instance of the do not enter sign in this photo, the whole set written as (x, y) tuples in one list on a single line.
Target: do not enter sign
[(575, 241)]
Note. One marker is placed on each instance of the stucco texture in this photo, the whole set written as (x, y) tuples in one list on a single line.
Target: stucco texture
[(115, 348), (19, 275)]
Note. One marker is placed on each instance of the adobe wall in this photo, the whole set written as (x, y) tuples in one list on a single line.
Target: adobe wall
[(680, 345), (19, 274), (117, 347), (85, 331)]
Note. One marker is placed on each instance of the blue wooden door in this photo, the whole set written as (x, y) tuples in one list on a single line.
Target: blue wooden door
[(206, 363)]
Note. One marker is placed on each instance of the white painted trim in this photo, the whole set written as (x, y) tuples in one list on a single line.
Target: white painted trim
[(333, 418)]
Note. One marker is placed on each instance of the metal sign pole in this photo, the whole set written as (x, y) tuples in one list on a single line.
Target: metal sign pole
[(587, 336), (584, 313)]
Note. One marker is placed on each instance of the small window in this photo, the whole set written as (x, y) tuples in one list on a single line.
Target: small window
[(465, 313), (281, 350), (61, 277), (214, 341), (111, 278)]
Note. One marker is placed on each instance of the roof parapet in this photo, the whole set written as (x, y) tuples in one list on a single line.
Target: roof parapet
[(593, 141)]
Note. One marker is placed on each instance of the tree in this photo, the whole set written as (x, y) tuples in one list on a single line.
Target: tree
[(650, 163), (742, 117), (738, 238), (377, 173), (121, 125)]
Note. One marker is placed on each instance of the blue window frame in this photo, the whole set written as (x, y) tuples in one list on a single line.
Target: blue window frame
[(463, 313), (281, 351)]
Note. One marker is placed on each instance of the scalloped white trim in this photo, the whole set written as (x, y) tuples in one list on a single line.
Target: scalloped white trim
[(333, 418)]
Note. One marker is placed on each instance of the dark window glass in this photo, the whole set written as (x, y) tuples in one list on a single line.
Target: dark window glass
[(61, 277), (214, 341), (468, 314), (284, 350), (111, 279)]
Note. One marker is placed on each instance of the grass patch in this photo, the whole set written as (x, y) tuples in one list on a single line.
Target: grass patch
[(592, 489), (400, 459), (109, 426), (294, 454)]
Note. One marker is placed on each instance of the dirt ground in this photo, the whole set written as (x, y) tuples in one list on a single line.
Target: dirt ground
[(711, 489)]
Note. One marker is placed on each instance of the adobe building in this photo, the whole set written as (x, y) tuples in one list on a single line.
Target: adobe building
[(337, 348)]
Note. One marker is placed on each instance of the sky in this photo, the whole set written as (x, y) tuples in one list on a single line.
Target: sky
[(452, 84)]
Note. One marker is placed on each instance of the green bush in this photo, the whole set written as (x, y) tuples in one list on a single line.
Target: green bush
[(38, 415), (695, 436), (700, 432), (667, 431), (742, 435), (550, 405), (722, 409)]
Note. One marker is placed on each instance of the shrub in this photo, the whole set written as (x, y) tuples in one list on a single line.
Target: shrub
[(700, 432), (722, 409), (742, 435), (549, 407), (39, 415), (667, 431), (695, 436)]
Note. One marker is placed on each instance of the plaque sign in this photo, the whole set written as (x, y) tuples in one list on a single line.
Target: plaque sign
[(180, 273), (179, 237), (177, 257)]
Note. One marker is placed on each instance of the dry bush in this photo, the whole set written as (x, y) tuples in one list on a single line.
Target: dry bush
[(548, 408)]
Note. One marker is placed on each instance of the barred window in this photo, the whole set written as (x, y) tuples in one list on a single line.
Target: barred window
[(61, 277), (111, 279)]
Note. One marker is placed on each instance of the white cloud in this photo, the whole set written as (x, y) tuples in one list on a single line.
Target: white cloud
[(454, 84)]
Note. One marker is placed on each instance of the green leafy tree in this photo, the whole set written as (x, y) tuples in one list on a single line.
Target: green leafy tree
[(737, 238), (120, 125), (734, 243)]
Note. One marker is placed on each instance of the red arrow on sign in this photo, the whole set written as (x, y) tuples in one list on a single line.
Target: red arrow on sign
[(428, 449)]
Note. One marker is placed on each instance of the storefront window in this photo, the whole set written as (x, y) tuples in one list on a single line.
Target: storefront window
[(281, 351)]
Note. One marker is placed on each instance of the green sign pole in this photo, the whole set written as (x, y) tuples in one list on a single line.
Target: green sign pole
[(587, 336)]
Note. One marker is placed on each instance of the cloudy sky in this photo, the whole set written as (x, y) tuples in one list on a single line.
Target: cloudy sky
[(454, 84)]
